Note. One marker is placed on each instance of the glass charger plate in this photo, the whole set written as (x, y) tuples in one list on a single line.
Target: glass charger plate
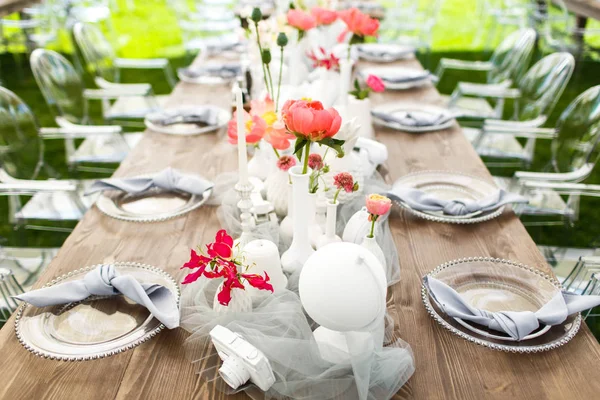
[(450, 186), (185, 129), (402, 108), (209, 74), (412, 77), (384, 52), (152, 206), (500, 285), (94, 328)]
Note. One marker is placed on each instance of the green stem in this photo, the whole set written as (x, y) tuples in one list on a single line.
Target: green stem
[(336, 195), (260, 49), (279, 83), (271, 82), (373, 219), (306, 154), (276, 153)]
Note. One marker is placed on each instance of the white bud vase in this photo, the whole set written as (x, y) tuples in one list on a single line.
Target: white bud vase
[(370, 243), (293, 259), (314, 230), (286, 227), (361, 109), (241, 301), (329, 236), (260, 165), (277, 191)]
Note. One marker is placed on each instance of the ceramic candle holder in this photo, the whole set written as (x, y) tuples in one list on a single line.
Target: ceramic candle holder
[(263, 256)]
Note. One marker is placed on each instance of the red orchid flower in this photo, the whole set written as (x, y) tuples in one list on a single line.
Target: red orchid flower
[(222, 247), (231, 282), (196, 260), (258, 281)]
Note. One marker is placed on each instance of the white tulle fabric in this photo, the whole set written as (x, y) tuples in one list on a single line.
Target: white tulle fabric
[(279, 328)]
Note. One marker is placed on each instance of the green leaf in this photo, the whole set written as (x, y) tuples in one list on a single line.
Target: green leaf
[(335, 144), (299, 147), (356, 85)]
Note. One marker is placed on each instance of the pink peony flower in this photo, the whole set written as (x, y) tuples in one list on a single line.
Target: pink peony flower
[(375, 83), (324, 16), (286, 162), (344, 181), (255, 128), (315, 161), (301, 20), (310, 120), (378, 204), (274, 129), (359, 23)]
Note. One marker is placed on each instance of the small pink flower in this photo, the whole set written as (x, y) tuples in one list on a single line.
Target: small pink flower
[(286, 162), (378, 204), (375, 83), (323, 15), (344, 181), (301, 20), (315, 162)]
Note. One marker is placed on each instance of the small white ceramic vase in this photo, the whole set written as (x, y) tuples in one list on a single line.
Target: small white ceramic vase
[(361, 109), (300, 249), (370, 243), (314, 230), (329, 236), (286, 227), (277, 188), (241, 301), (358, 226), (261, 164)]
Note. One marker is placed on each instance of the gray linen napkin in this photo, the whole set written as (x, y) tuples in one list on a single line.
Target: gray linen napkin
[(106, 281), (412, 119), (200, 115), (517, 324), (383, 52), (226, 71), (422, 201), (168, 179), (402, 78)]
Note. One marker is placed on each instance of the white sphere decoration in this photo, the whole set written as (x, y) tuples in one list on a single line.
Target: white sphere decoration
[(343, 288)]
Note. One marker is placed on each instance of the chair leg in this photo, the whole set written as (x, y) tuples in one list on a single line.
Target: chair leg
[(170, 75)]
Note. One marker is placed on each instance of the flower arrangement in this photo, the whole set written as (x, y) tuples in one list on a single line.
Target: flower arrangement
[(359, 24), (219, 262), (324, 16), (310, 122), (377, 205), (344, 181), (301, 20), (324, 59), (374, 83), (319, 168)]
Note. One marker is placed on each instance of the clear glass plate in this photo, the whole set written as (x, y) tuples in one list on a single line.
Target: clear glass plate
[(94, 328), (186, 129), (151, 206), (403, 77), (500, 285), (451, 186), (400, 109)]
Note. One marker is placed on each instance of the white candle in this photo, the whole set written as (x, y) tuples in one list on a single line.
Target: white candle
[(241, 134), (345, 72), (262, 256)]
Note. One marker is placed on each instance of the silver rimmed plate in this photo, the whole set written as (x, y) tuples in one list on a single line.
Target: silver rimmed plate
[(384, 52), (210, 73), (391, 115), (450, 186), (398, 78), (188, 120), (500, 285), (153, 205), (94, 328)]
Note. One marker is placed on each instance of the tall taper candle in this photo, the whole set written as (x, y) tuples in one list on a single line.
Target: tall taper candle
[(241, 134)]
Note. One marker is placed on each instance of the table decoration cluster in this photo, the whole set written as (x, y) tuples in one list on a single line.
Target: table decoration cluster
[(292, 291)]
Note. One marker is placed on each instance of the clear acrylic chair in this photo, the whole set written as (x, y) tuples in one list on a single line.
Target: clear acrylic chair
[(32, 199), (584, 279), (554, 196), (507, 65), (102, 60), (9, 286), (498, 16), (67, 98), (534, 100)]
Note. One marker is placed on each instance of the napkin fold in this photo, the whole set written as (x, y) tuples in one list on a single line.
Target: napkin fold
[(517, 324), (422, 201), (414, 119), (197, 115), (226, 71), (106, 281), (169, 179), (384, 51), (392, 77)]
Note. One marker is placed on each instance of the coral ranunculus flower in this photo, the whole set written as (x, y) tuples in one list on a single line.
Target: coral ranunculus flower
[(255, 128), (359, 23), (274, 132), (301, 20), (378, 204), (310, 120), (324, 16)]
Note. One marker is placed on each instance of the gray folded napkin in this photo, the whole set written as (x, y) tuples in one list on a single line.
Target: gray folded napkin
[(226, 71), (414, 119), (422, 201), (387, 52), (206, 116), (402, 78), (169, 179), (106, 281), (517, 324)]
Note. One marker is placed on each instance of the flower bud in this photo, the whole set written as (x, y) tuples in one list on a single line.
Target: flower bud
[(282, 39), (256, 15), (266, 56)]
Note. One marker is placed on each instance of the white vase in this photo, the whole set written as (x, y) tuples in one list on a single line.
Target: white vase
[(358, 226), (314, 230), (370, 243), (262, 256), (277, 188), (286, 227), (261, 164), (351, 163), (300, 249), (361, 110), (241, 301), (329, 236)]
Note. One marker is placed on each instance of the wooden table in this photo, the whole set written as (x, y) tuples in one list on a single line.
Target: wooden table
[(446, 366), (11, 6)]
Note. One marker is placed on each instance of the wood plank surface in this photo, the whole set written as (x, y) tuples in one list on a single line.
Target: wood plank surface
[(11, 6), (447, 367), (583, 8)]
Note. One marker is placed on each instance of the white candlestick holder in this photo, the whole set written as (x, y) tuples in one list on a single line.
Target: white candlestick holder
[(248, 223)]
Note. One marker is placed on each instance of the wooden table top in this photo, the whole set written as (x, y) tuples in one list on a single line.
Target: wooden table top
[(446, 366), (11, 6), (584, 8)]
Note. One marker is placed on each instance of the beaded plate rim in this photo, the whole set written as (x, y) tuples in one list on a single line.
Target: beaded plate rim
[(149, 335), (494, 346)]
